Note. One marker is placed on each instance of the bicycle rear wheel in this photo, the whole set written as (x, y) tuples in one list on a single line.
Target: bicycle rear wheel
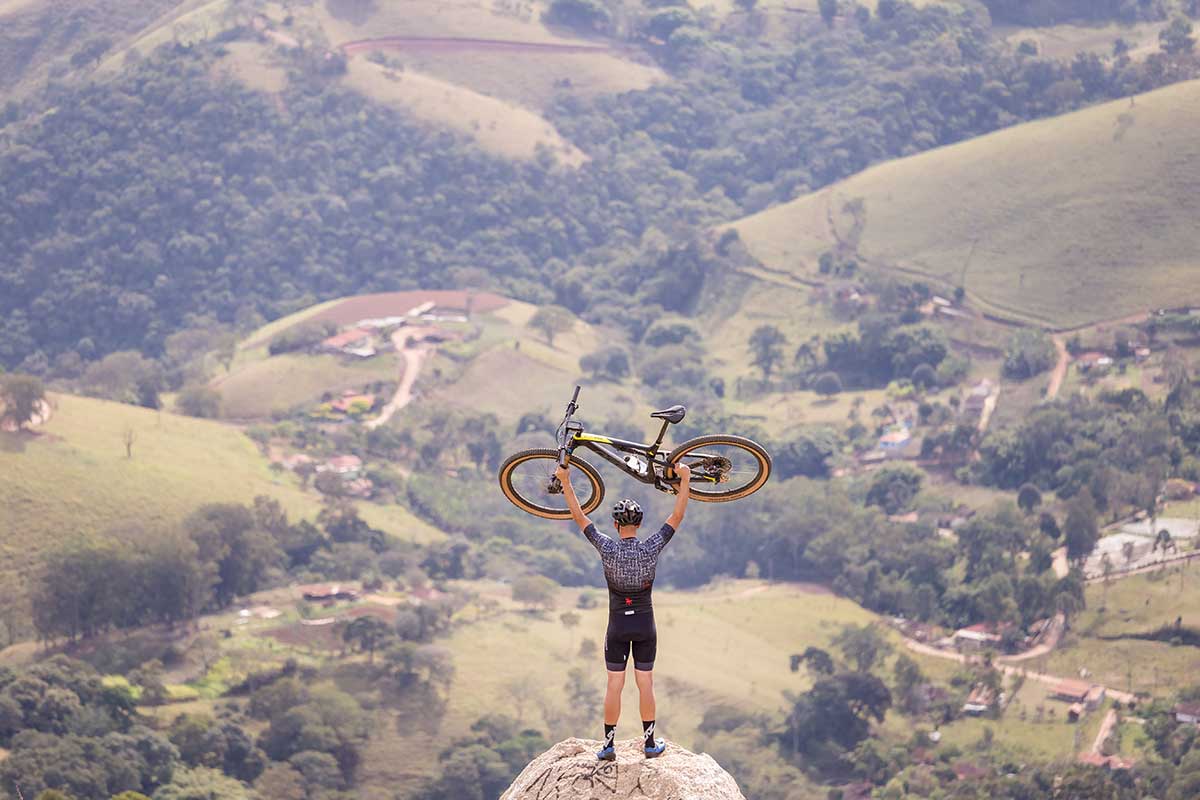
[(527, 479), (724, 468)]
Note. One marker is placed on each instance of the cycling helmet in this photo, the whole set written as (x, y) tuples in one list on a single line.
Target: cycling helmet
[(627, 512)]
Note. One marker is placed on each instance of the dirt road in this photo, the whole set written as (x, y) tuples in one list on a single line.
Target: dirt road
[(413, 358), (1110, 721), (449, 44), (1060, 368)]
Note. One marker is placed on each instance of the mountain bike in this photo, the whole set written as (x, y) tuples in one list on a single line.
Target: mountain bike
[(724, 467)]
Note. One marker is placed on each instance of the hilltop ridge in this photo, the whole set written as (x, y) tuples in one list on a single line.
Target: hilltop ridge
[(569, 771)]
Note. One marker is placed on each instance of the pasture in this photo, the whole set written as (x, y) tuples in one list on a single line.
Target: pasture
[(1140, 604), (1061, 222), (72, 478)]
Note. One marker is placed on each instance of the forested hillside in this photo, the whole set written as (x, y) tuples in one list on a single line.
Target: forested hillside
[(165, 192)]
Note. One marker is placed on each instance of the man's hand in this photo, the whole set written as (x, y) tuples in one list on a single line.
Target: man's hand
[(682, 494), (564, 477)]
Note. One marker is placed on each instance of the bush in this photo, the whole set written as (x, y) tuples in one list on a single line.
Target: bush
[(827, 384), (1029, 353), (301, 337), (583, 15), (198, 400)]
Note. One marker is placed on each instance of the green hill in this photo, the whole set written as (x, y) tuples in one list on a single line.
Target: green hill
[(73, 478), (1062, 222)]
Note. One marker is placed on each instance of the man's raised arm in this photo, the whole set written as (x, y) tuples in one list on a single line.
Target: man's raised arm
[(681, 500), (564, 477)]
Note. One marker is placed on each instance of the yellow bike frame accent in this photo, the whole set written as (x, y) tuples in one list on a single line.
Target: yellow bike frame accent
[(591, 437)]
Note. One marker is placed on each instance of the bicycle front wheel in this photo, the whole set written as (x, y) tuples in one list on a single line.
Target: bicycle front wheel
[(527, 479), (724, 468)]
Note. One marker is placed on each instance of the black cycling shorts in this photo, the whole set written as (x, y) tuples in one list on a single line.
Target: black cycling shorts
[(630, 630)]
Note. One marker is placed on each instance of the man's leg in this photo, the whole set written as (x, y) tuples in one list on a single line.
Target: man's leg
[(645, 684), (612, 697)]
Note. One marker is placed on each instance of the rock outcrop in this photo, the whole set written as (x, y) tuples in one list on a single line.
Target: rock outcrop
[(570, 771)]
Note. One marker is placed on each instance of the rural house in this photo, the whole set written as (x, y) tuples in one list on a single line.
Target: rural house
[(329, 593), (979, 701), (348, 467), (1089, 696), (977, 637), (1188, 713), (354, 342)]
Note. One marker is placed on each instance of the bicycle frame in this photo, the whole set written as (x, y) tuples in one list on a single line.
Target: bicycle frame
[(571, 436)]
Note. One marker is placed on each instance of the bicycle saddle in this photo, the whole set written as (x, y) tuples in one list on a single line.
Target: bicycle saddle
[(673, 415)]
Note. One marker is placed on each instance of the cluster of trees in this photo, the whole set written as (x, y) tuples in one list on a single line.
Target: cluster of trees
[(482, 765), (66, 730), (1120, 446), (220, 552)]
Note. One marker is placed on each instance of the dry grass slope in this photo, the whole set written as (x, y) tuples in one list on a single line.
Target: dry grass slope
[(73, 478), (1079, 218)]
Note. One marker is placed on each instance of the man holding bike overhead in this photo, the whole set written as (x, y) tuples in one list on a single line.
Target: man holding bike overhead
[(629, 567)]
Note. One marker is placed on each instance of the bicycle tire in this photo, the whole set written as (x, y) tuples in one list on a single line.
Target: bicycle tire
[(740, 442), (588, 504)]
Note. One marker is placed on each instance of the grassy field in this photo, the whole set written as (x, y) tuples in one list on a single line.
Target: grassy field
[(1138, 604), (723, 644), (510, 359), (499, 126), (295, 380), (1064, 41), (1113, 183), (73, 478), (1052, 738)]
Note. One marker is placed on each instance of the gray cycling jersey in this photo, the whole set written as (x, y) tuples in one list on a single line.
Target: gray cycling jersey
[(629, 565)]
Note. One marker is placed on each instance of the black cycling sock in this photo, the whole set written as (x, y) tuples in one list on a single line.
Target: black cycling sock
[(648, 732), (610, 734)]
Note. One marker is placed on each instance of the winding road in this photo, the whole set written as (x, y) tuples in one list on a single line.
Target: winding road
[(413, 357)]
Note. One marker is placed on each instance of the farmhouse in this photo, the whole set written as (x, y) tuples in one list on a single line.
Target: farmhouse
[(348, 467), (353, 342), (977, 637), (979, 701), (1188, 713), (1086, 362), (976, 400), (1087, 695), (328, 592)]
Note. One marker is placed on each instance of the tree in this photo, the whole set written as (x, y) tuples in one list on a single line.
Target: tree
[(766, 347), (584, 15), (1176, 37), (607, 363), (198, 400), (21, 398), (893, 487), (550, 321), (818, 661), (827, 384), (924, 377), (863, 645), (128, 438), (1081, 529), (1029, 353), (1028, 498), (367, 633), (908, 678), (829, 10), (535, 591)]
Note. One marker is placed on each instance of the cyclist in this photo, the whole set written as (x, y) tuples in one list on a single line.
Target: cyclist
[(629, 566)]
